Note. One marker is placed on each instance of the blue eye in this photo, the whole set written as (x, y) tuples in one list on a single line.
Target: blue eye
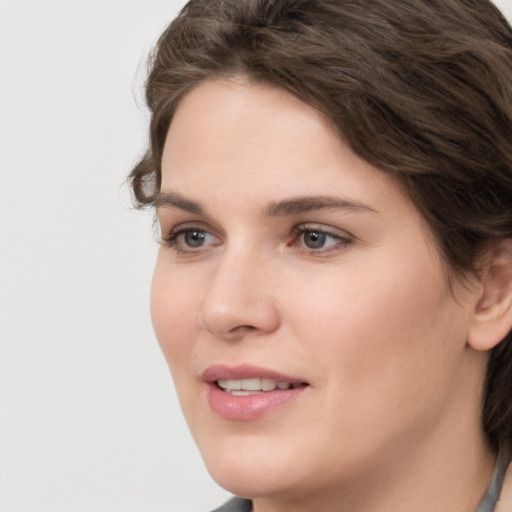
[(315, 239), (319, 239), (193, 238), (185, 239)]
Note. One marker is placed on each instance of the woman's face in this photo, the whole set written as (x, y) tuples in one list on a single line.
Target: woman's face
[(299, 300)]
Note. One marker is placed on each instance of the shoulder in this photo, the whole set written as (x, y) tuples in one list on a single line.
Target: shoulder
[(235, 505)]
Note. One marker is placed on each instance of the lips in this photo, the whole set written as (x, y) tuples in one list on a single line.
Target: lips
[(247, 392)]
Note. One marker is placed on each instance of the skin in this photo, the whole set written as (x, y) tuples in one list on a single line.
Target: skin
[(368, 320)]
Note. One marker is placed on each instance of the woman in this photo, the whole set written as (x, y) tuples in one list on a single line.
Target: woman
[(333, 291)]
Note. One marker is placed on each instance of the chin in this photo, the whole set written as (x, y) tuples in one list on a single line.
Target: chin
[(255, 472), (254, 482)]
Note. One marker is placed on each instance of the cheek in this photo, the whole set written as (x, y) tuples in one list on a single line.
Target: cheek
[(174, 315), (383, 350), (381, 326)]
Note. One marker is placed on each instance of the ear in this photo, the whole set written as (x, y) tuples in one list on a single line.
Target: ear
[(492, 318)]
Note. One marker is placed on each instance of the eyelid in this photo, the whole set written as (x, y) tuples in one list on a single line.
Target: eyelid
[(344, 237), (323, 228), (170, 239)]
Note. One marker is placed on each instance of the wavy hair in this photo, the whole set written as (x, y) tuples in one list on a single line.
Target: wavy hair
[(421, 89)]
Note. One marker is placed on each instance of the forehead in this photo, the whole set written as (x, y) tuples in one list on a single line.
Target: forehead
[(231, 116), (238, 131)]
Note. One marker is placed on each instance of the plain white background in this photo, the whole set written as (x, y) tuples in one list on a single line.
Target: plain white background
[(89, 420)]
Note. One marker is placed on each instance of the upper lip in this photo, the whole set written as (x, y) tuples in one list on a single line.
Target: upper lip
[(245, 371)]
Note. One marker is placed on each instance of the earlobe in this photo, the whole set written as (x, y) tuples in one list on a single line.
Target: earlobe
[(492, 318)]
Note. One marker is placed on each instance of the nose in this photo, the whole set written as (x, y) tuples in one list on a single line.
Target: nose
[(240, 299)]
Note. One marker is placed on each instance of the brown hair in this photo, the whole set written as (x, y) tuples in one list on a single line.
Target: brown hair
[(418, 88)]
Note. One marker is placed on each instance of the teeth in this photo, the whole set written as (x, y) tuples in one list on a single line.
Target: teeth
[(242, 392), (248, 384), (245, 387), (268, 384)]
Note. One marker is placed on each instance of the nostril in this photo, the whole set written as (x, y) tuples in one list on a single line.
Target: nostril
[(239, 332), (227, 315), (242, 328)]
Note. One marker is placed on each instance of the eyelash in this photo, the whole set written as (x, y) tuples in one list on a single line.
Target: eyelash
[(172, 240), (341, 241)]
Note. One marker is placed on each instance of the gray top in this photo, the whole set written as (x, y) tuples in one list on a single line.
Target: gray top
[(492, 495), (487, 504), (235, 505)]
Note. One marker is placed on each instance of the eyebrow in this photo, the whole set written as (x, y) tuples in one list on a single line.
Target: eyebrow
[(173, 200), (308, 203), (291, 206)]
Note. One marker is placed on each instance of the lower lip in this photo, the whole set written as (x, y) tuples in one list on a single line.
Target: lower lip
[(251, 407)]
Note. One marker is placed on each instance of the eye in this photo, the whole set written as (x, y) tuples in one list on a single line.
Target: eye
[(189, 239), (318, 239), (315, 239), (194, 238)]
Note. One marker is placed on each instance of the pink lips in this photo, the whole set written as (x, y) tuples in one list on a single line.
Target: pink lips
[(245, 408)]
